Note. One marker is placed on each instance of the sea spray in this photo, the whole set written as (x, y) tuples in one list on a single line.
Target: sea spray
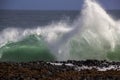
[(18, 45), (96, 34), (93, 35)]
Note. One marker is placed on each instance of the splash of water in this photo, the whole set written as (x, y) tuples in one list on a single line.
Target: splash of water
[(96, 33), (50, 33), (91, 36)]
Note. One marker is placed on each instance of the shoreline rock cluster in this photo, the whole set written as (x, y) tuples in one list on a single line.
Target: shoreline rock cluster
[(60, 70)]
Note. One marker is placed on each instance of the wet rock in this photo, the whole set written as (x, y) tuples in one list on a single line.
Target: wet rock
[(68, 70)]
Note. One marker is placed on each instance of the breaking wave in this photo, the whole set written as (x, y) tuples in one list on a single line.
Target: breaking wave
[(93, 35)]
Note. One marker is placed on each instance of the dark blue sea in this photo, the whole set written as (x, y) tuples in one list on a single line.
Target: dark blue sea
[(34, 18)]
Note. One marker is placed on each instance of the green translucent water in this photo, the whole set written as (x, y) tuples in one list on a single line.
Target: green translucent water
[(115, 54), (31, 48)]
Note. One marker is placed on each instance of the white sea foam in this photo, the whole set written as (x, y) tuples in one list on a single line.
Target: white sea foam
[(95, 33), (91, 36), (83, 67)]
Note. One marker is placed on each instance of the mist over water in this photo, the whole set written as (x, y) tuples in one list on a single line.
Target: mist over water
[(98, 33), (93, 35)]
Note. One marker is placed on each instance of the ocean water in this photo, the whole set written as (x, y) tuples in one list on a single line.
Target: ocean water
[(91, 33), (33, 18), (19, 39)]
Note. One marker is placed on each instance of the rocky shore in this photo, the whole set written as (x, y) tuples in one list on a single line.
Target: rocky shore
[(60, 70)]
